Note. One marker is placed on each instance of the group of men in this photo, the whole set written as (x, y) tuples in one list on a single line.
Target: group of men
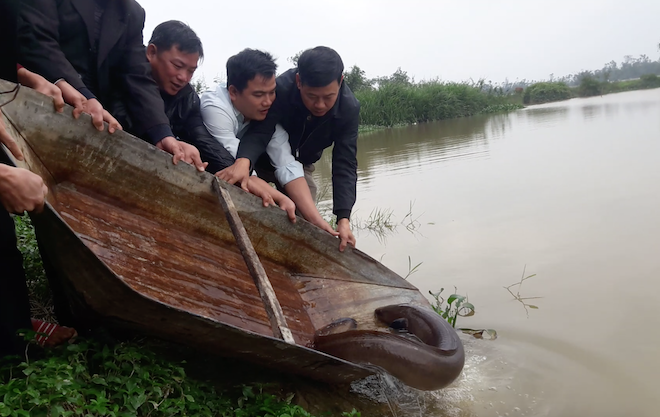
[(257, 129)]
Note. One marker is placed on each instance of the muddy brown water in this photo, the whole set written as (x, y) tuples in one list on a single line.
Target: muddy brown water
[(568, 191)]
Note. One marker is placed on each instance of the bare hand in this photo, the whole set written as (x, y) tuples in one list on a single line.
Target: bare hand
[(113, 124), (239, 173), (94, 108), (182, 151), (72, 97), (289, 206), (345, 234), (323, 225), (191, 155), (40, 84), (261, 189), (9, 142), (21, 190)]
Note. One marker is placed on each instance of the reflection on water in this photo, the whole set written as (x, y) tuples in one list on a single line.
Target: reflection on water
[(569, 189), (396, 151)]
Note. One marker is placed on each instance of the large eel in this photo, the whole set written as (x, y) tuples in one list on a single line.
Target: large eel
[(432, 360)]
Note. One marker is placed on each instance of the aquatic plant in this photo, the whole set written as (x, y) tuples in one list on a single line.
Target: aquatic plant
[(455, 306), (517, 295)]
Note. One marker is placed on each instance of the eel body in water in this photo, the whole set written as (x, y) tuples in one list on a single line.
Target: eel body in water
[(431, 361)]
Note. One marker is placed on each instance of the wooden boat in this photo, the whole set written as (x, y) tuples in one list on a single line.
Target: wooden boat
[(139, 243)]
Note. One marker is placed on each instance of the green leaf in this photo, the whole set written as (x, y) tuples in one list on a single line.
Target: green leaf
[(470, 310), (531, 306), (100, 381), (455, 297)]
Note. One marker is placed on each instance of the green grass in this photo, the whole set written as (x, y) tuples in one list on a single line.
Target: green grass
[(545, 92), (395, 104), (90, 378)]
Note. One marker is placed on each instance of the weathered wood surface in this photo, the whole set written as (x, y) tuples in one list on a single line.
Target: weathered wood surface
[(266, 291), (143, 244)]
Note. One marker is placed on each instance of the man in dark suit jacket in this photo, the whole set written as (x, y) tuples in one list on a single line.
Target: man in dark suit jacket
[(96, 47), (20, 190), (173, 54)]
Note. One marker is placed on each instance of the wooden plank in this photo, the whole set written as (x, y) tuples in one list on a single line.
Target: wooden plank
[(266, 291)]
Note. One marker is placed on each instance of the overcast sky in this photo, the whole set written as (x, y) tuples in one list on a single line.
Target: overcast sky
[(453, 40)]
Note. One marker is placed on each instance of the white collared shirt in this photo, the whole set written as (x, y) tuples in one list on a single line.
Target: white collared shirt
[(224, 123)]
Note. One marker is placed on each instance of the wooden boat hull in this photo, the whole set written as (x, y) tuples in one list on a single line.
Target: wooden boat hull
[(142, 244)]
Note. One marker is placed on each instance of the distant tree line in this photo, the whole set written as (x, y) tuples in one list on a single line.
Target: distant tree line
[(629, 69)]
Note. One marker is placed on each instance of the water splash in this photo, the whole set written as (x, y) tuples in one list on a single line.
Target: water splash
[(485, 388)]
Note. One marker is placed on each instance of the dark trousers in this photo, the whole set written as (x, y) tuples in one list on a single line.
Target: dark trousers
[(14, 302)]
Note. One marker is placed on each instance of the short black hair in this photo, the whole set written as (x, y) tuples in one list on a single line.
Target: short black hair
[(176, 33), (320, 66), (246, 65)]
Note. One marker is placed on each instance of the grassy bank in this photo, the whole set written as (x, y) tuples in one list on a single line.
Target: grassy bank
[(108, 377), (395, 104), (91, 378), (545, 92)]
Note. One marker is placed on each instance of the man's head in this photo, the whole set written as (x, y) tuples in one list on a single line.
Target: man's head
[(173, 52), (251, 83), (320, 74)]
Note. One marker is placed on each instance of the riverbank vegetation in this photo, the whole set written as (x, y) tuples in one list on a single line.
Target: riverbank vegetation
[(589, 86), (398, 100)]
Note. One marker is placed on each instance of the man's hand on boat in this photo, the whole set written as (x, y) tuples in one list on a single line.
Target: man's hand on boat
[(9, 142), (92, 107), (270, 196), (21, 190), (238, 173), (40, 84), (345, 234), (182, 151)]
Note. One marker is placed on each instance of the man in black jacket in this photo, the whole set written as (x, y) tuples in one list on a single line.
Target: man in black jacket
[(96, 47), (20, 190), (317, 110), (173, 53)]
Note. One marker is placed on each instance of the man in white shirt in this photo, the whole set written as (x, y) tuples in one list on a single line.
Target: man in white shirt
[(228, 110)]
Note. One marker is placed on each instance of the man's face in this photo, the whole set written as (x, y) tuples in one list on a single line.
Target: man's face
[(172, 69), (255, 99), (319, 100)]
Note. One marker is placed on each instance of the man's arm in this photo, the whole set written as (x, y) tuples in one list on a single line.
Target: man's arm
[(286, 167), (210, 149), (344, 170), (344, 179), (143, 101), (253, 144), (255, 141), (40, 45), (220, 125), (290, 174)]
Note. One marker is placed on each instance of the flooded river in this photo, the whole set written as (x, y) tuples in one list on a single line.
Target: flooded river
[(568, 191)]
